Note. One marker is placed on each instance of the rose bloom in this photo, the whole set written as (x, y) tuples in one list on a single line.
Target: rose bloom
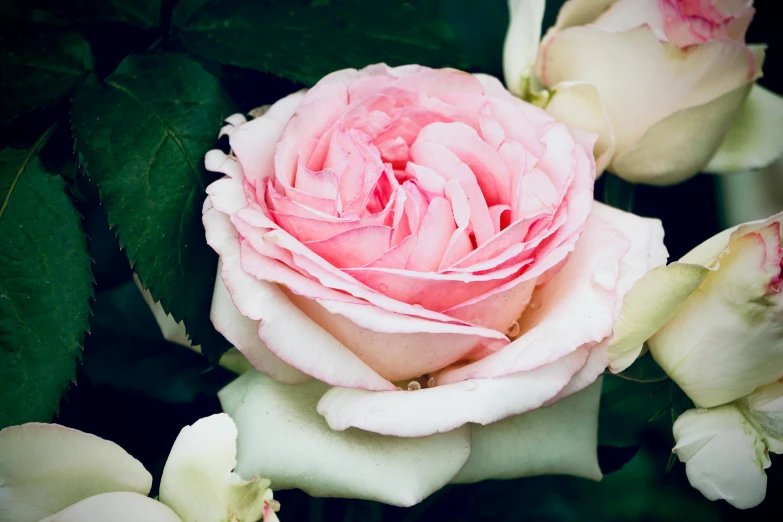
[(426, 245), (662, 81)]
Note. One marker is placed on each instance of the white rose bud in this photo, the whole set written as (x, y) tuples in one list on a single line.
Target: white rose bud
[(726, 449), (648, 76)]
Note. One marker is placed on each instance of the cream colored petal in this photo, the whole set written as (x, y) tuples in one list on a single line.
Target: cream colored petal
[(560, 439), (521, 45), (198, 483), (724, 455), (578, 105), (660, 156), (116, 507), (44, 468), (756, 137), (648, 306), (581, 12), (282, 437)]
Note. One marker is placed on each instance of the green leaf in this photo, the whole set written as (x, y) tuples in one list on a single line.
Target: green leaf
[(303, 40), (142, 135), (141, 13), (45, 288), (39, 65)]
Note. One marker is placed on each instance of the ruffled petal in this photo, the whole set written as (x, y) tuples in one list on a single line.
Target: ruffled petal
[(582, 295), (447, 407), (266, 304)]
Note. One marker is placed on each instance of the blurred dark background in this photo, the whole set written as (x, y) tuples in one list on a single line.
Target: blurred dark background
[(138, 390)]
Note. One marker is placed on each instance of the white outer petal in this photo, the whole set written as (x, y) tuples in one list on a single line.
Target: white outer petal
[(197, 482), (44, 468), (282, 436), (116, 507), (560, 439), (444, 408), (725, 457)]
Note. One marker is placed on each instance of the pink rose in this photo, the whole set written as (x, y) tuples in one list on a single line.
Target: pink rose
[(690, 22), (396, 229)]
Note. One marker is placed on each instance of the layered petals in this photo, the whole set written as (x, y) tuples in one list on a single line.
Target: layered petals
[(613, 252)]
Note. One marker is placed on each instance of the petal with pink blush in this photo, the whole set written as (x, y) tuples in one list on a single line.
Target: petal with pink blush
[(498, 309), (447, 407), (243, 334), (427, 178), (396, 346), (317, 268), (254, 142), (227, 195), (501, 216), (397, 256), (465, 143), (431, 290), (264, 302), (354, 248), (574, 309), (535, 194), (451, 86), (558, 159), (312, 120), (433, 237), (323, 183), (512, 237), (439, 158)]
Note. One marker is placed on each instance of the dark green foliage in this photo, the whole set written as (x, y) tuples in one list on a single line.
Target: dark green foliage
[(141, 135), (45, 288), (304, 40), (39, 64)]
